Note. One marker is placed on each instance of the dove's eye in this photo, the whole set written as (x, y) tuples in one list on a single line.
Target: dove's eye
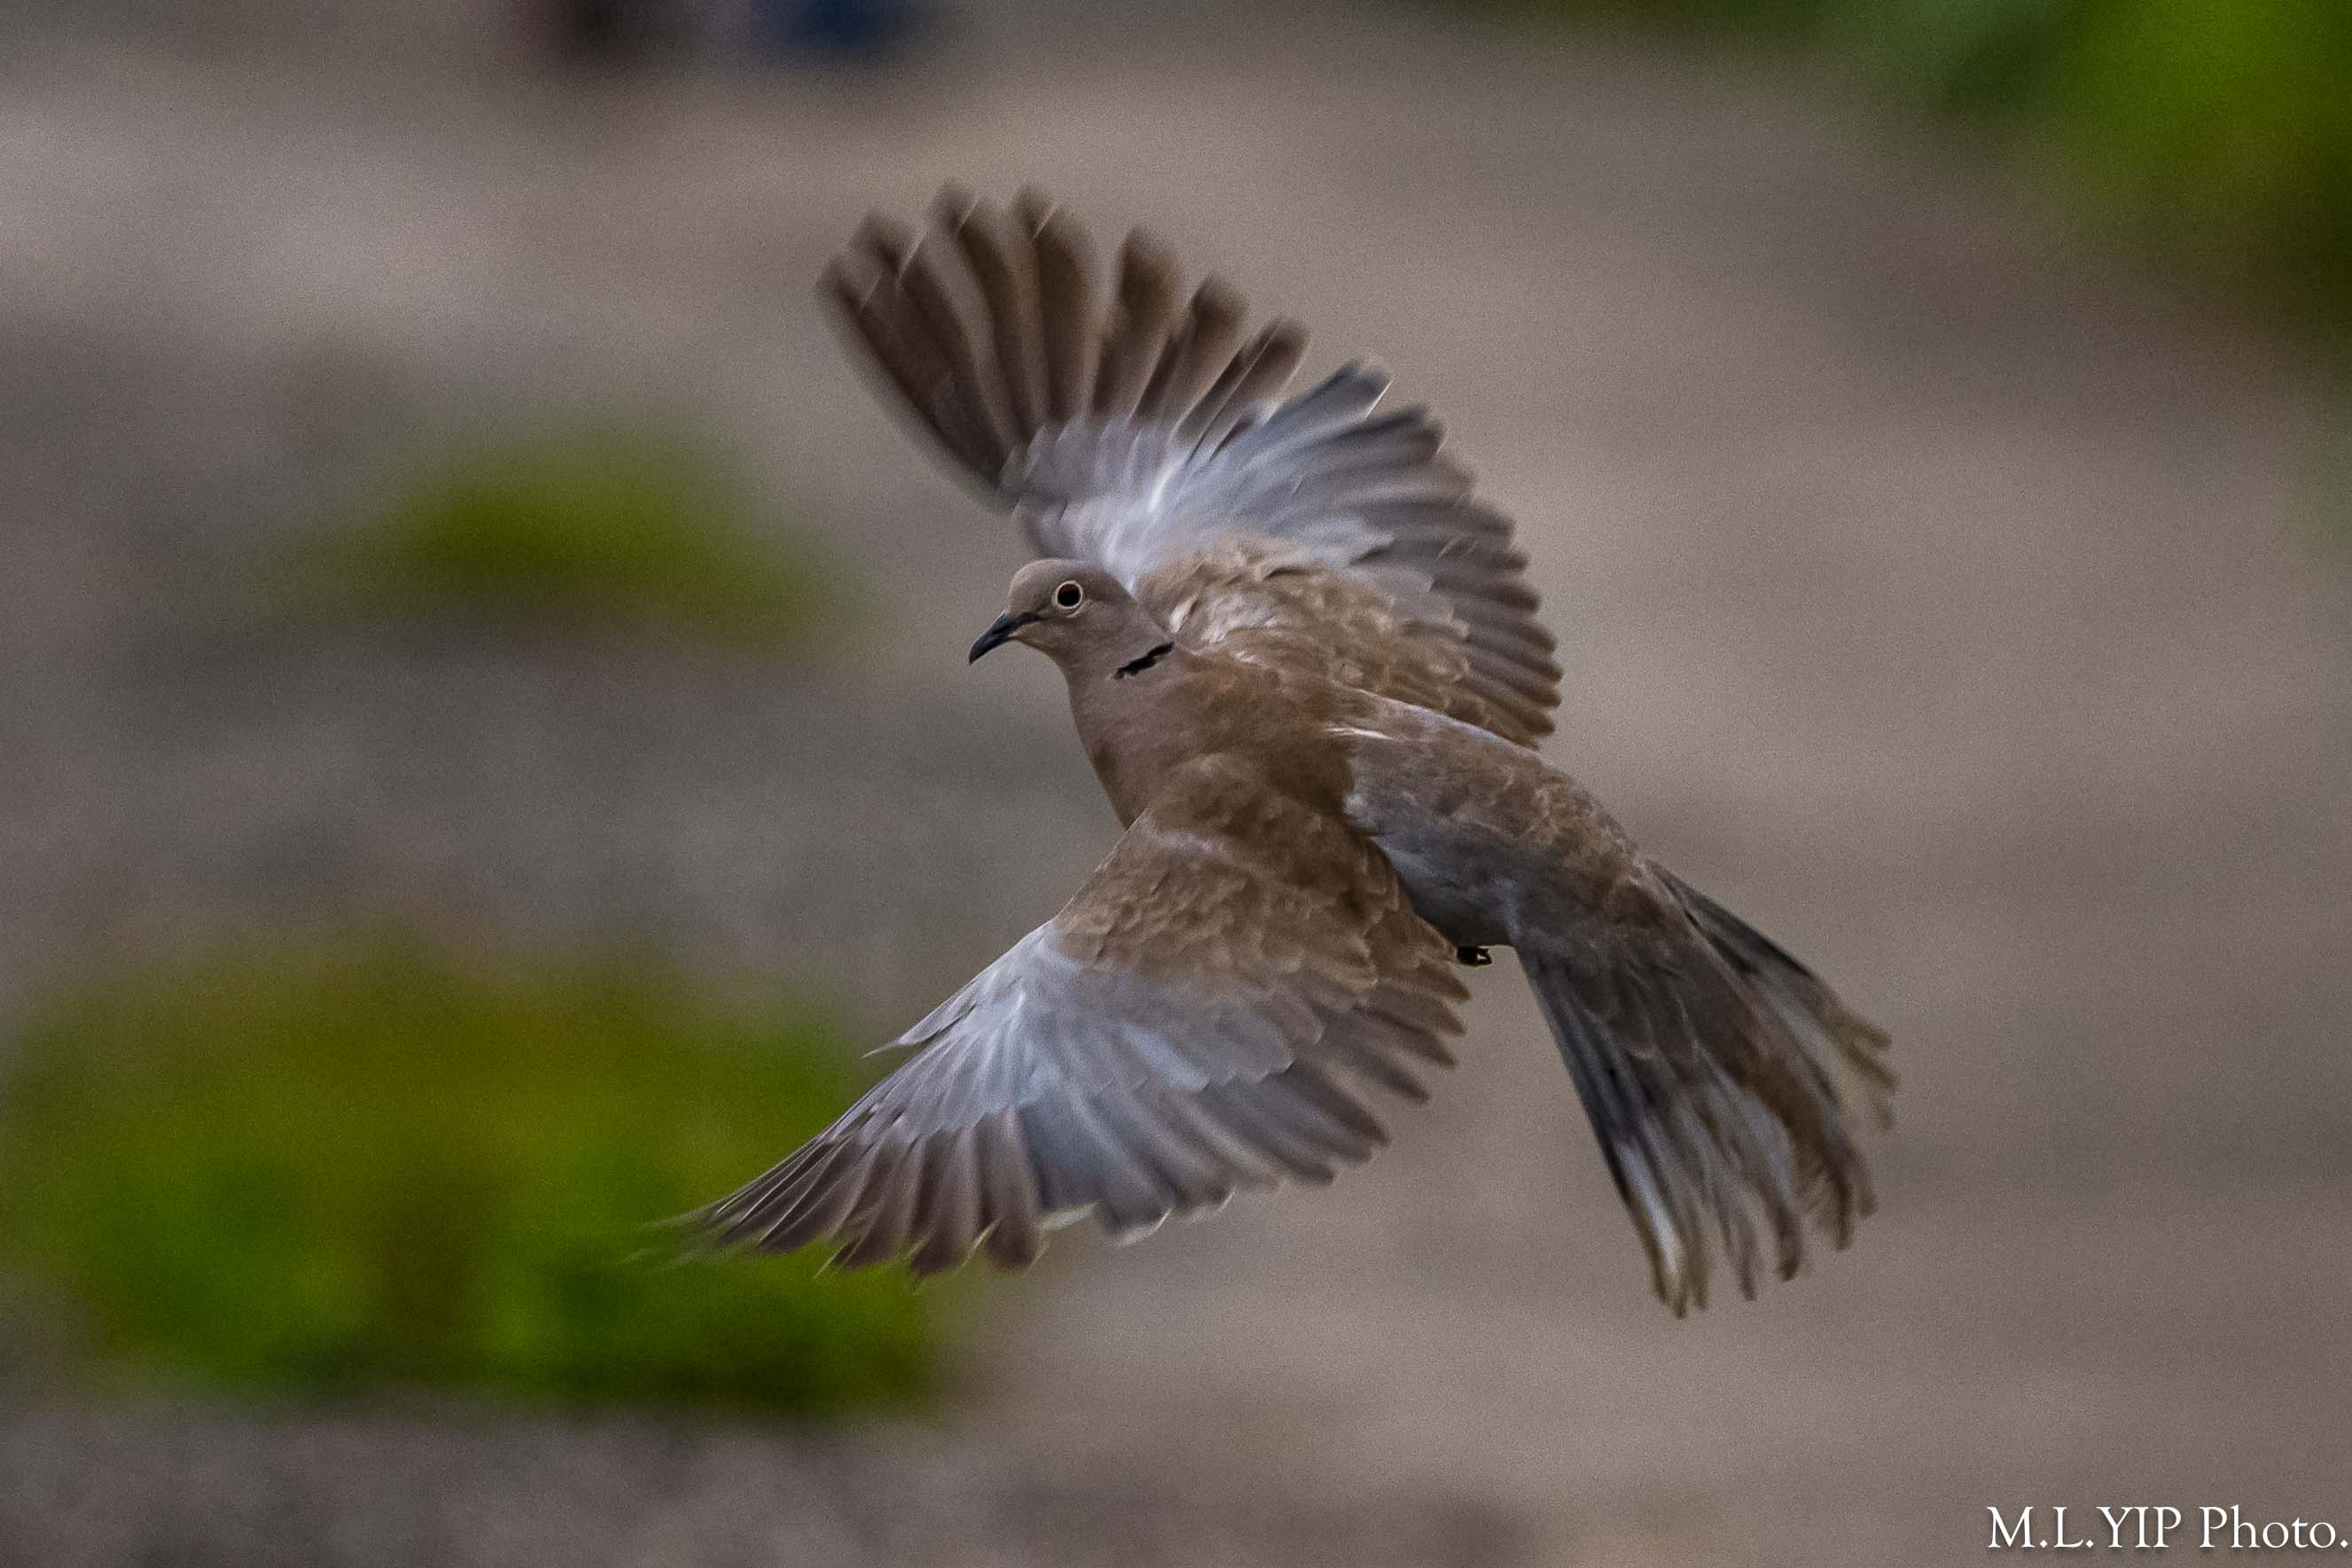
[(1069, 596)]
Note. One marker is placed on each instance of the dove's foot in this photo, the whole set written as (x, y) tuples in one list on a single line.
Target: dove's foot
[(1474, 958)]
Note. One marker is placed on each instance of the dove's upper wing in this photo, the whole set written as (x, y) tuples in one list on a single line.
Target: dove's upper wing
[(1145, 434), (1202, 1017)]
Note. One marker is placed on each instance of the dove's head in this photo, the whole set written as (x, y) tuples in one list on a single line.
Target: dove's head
[(1075, 613)]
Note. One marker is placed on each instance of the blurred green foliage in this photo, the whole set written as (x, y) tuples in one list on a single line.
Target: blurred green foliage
[(2220, 128), (326, 1172), (2223, 127), (597, 527)]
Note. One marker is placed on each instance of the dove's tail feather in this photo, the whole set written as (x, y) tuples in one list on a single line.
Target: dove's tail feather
[(1702, 1053)]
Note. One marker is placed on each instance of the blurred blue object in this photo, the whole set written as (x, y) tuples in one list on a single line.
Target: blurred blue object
[(837, 26), (626, 32)]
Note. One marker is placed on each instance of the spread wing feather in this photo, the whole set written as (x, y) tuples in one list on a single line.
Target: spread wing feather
[(1145, 433), (1206, 1016)]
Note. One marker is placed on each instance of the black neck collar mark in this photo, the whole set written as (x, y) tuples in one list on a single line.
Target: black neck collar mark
[(1136, 666)]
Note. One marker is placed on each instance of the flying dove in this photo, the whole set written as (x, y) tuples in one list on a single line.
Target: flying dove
[(1305, 665)]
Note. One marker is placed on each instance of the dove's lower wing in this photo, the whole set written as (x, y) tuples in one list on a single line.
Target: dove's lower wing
[(1145, 431), (1204, 1016)]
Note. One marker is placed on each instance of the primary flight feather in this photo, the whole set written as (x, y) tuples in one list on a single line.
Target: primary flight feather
[(1304, 663)]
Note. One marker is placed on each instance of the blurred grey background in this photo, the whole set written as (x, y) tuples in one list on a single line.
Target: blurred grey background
[(1954, 586)]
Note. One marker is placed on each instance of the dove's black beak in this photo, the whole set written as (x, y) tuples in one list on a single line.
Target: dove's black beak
[(1000, 632)]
